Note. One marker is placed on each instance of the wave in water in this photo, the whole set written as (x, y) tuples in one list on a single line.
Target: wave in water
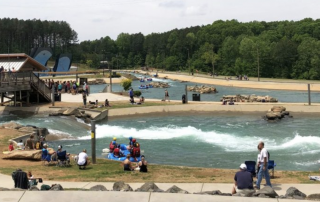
[(58, 133)]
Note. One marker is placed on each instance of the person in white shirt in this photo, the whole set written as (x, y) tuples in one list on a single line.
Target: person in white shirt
[(263, 171), (20, 145), (83, 159)]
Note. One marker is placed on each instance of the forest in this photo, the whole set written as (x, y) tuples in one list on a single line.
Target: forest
[(281, 49)]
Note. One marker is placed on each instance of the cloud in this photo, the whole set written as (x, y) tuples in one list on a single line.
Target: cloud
[(195, 10), (172, 4)]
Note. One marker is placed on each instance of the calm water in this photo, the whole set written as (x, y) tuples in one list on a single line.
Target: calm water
[(205, 140)]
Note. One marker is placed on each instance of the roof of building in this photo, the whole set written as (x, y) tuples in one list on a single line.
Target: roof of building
[(20, 62)]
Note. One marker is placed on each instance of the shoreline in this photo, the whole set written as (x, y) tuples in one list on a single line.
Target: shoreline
[(265, 85)]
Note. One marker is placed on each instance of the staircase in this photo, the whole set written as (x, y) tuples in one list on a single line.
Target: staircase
[(39, 86)]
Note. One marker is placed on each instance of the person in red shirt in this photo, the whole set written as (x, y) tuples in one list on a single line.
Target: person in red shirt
[(11, 148)]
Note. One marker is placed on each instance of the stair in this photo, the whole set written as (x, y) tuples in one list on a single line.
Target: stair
[(38, 85)]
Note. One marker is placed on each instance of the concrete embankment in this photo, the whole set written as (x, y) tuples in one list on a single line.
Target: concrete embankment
[(213, 107)]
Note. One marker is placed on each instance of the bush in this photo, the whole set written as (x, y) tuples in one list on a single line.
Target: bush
[(126, 84), (137, 93)]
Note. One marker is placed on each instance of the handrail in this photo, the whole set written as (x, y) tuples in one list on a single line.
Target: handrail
[(41, 86)]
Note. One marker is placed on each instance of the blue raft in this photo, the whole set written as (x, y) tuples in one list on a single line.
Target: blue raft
[(123, 149)]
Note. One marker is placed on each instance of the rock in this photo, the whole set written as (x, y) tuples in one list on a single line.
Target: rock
[(43, 131), (56, 114), (98, 188), (121, 186), (72, 111), (159, 85), (26, 129), (149, 187), (278, 109), (225, 194), (215, 192), (266, 192), (175, 189), (56, 187), (4, 189), (295, 193), (314, 197), (26, 155), (34, 188), (272, 116), (11, 125), (202, 89)]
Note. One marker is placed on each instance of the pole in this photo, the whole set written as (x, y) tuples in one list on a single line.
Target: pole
[(258, 64), (189, 61), (52, 95), (93, 141), (186, 89), (110, 80), (309, 94)]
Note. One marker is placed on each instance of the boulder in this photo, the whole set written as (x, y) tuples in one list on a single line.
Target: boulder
[(4, 189), (98, 188), (149, 187), (202, 89), (295, 193), (175, 189), (43, 131), (215, 192), (25, 155), (121, 186), (26, 129), (266, 192), (34, 188), (56, 114), (278, 108), (72, 111), (11, 125), (159, 85), (314, 197), (56, 187)]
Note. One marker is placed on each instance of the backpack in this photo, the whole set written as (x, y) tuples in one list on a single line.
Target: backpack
[(45, 187), (136, 152)]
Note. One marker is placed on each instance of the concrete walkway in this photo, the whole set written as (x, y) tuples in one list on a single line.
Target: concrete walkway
[(27, 196)]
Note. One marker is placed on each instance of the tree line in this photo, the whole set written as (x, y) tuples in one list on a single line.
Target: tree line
[(280, 49), (20, 36)]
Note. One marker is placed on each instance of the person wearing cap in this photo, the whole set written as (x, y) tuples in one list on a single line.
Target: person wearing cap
[(83, 159), (242, 180), (143, 165)]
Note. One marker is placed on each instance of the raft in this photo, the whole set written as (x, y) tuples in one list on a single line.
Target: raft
[(150, 79), (123, 149), (142, 80), (143, 87)]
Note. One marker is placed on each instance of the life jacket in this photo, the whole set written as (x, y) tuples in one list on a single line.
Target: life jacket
[(38, 145), (116, 152), (136, 152), (136, 144), (111, 147)]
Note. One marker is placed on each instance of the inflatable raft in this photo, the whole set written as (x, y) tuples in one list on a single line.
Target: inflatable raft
[(150, 79), (143, 87), (142, 80), (125, 152)]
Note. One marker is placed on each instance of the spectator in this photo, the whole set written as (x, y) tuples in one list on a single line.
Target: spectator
[(83, 159), (106, 103), (127, 165), (84, 97), (242, 180), (11, 148), (263, 171), (166, 95), (143, 165), (20, 145), (29, 143)]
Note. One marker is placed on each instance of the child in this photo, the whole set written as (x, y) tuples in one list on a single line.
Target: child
[(11, 148)]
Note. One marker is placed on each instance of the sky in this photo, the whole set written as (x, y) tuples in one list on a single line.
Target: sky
[(93, 19)]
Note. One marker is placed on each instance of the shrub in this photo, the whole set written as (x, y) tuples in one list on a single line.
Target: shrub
[(126, 84), (137, 93)]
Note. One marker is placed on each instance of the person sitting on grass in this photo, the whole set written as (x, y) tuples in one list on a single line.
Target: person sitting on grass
[(20, 145), (11, 148), (242, 180), (83, 159), (127, 165), (106, 103), (143, 165)]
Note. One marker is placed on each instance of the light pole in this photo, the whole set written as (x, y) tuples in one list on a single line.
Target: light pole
[(258, 60)]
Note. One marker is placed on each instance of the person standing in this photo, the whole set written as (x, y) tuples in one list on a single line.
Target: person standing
[(263, 171), (166, 95), (84, 97), (131, 95)]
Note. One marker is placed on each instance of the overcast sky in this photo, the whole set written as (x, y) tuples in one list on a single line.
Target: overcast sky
[(93, 19)]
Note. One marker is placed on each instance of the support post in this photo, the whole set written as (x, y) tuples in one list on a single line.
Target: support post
[(186, 89), (20, 99), (2, 97), (309, 94), (93, 141), (15, 98), (28, 98), (38, 98), (76, 78), (52, 96), (110, 80)]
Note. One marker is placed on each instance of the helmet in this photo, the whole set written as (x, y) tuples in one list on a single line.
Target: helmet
[(114, 142), (130, 138), (134, 140), (115, 139)]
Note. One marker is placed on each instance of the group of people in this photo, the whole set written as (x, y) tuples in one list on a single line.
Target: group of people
[(30, 144), (131, 95), (135, 152), (244, 179), (67, 86), (5, 77)]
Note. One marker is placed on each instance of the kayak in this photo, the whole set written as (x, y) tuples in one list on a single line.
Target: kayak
[(124, 151), (149, 79)]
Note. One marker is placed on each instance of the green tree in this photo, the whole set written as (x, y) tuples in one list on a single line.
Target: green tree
[(126, 84)]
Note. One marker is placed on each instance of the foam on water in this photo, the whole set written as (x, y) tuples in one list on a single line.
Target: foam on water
[(58, 132)]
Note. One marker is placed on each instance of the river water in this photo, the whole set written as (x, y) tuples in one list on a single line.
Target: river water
[(201, 140)]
